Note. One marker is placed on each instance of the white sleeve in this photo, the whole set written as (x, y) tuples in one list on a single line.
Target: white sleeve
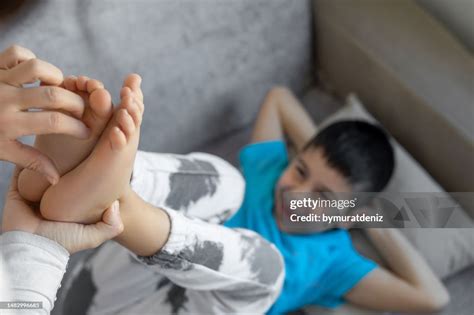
[(35, 267), (4, 282)]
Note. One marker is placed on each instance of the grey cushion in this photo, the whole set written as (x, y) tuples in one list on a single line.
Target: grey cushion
[(206, 64)]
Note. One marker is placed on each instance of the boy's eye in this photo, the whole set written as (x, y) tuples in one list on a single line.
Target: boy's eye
[(300, 171)]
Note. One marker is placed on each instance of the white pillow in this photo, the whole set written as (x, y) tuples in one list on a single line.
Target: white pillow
[(446, 250)]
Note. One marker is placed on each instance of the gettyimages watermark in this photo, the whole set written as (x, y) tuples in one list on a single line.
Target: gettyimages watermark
[(320, 211), (21, 305)]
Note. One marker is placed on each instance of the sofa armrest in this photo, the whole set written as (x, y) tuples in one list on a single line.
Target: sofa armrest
[(412, 74)]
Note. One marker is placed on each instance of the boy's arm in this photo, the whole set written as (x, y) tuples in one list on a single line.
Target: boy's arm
[(282, 114), (411, 287)]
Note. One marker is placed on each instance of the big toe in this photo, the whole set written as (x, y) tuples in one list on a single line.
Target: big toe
[(134, 81)]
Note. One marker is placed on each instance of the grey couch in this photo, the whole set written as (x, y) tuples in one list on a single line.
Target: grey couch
[(207, 65)]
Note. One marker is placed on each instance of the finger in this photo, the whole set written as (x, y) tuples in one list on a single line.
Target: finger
[(52, 98), (112, 216), (32, 159), (14, 55), (31, 71), (50, 122)]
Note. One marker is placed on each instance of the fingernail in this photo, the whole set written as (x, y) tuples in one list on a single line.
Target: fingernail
[(115, 206), (115, 218)]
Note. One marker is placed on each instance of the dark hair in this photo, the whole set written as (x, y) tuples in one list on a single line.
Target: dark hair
[(360, 151), (8, 6)]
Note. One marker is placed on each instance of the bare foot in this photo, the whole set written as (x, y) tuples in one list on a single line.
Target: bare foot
[(65, 151), (84, 193)]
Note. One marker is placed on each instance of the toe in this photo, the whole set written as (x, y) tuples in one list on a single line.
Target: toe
[(126, 102), (117, 139), (126, 123), (135, 112), (82, 83), (93, 85), (141, 107), (70, 83), (133, 81), (101, 104), (125, 91), (99, 111)]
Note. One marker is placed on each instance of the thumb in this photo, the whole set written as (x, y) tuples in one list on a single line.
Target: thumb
[(32, 159), (110, 226), (112, 218)]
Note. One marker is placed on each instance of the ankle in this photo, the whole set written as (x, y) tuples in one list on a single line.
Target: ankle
[(146, 228)]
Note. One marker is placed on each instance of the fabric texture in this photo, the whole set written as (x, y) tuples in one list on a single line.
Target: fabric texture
[(321, 267), (35, 266), (5, 294)]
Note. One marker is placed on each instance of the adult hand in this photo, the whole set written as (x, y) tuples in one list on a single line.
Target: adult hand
[(60, 109), (18, 215)]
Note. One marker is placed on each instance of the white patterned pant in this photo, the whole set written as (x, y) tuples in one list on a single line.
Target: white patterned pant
[(204, 268)]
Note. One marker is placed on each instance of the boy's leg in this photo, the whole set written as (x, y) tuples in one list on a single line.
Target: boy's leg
[(198, 184), (203, 268), (191, 265)]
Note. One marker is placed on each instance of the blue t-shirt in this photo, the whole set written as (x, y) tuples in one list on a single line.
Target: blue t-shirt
[(321, 267)]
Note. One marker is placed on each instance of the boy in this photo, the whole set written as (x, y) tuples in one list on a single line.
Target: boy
[(174, 262), (323, 268), (188, 265)]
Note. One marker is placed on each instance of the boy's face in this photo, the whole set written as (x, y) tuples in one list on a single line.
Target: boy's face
[(308, 172)]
